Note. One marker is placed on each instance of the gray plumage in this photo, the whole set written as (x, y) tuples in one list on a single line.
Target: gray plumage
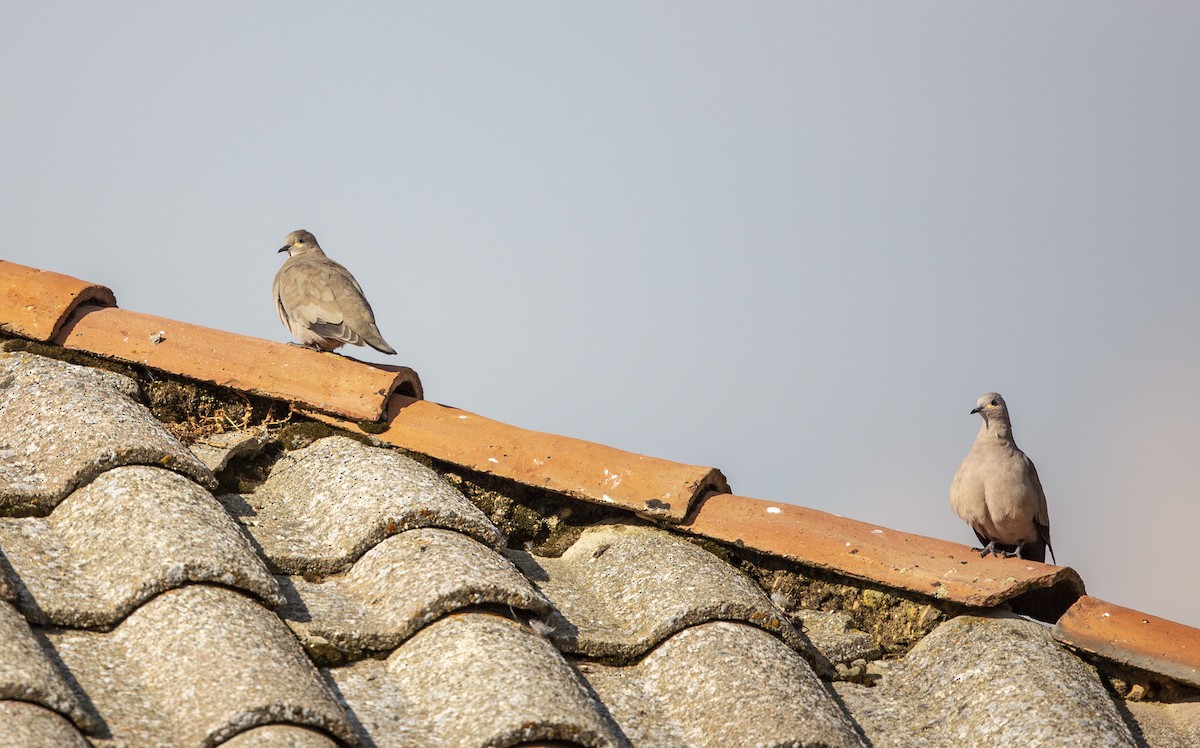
[(997, 490), (318, 300)]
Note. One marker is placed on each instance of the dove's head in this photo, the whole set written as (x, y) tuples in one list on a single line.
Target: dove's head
[(299, 242), (992, 407)]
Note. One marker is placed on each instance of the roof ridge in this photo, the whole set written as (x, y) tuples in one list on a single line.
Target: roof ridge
[(386, 402)]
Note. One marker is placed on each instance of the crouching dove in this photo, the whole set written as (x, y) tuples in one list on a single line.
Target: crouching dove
[(997, 491), (318, 300)]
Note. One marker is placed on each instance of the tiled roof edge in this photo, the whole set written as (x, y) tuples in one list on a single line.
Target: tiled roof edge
[(1133, 638), (650, 486), (59, 309), (35, 303), (914, 563)]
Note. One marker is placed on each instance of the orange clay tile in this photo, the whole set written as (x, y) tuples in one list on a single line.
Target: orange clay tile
[(35, 303), (323, 381), (927, 566), (592, 472), (1132, 638)]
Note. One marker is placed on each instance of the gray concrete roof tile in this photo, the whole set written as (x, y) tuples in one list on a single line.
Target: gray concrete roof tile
[(195, 666), (472, 679), (400, 585), (27, 672), (1167, 725), (997, 680), (61, 425), (216, 450), (721, 684), (323, 506), (833, 635), (280, 736), (107, 549), (621, 589), (31, 726), (201, 664)]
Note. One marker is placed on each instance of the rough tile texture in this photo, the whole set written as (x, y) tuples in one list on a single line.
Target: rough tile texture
[(833, 636), (216, 450), (323, 506), (125, 537), (280, 736), (400, 585), (62, 425), (472, 679), (1167, 725), (25, 725), (721, 684), (28, 674), (196, 666), (621, 589), (987, 681)]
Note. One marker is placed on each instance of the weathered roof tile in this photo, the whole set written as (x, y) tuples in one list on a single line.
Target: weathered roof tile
[(472, 679), (196, 666), (621, 589), (328, 382), (61, 425), (928, 566), (125, 537), (987, 681), (721, 684), (650, 486), (400, 585), (1132, 638), (35, 303), (28, 674), (323, 506), (394, 559), (216, 450), (280, 736), (1167, 725), (833, 635), (31, 726)]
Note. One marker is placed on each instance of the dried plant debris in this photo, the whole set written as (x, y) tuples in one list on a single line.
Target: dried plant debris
[(893, 619), (533, 519)]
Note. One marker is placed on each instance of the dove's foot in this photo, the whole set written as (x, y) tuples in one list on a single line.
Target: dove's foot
[(1013, 554), (309, 346), (987, 550)]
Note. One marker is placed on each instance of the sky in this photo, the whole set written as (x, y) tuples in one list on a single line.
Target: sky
[(794, 241)]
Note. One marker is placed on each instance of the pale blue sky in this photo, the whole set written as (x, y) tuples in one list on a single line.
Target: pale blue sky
[(791, 240)]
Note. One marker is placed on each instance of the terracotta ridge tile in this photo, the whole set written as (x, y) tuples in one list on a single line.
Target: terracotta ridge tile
[(1133, 638), (650, 486), (35, 303), (914, 563), (326, 382)]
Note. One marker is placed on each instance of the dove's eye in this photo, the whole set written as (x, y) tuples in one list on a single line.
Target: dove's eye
[(995, 403)]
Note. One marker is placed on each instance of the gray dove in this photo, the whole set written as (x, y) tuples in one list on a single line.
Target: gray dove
[(997, 490), (318, 300)]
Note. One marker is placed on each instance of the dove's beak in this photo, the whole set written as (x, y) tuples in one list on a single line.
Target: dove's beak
[(285, 248), (972, 412)]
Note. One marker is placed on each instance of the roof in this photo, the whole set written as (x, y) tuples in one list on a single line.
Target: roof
[(210, 539)]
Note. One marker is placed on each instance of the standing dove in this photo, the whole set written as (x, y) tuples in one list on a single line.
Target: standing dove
[(997, 491), (318, 300)]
